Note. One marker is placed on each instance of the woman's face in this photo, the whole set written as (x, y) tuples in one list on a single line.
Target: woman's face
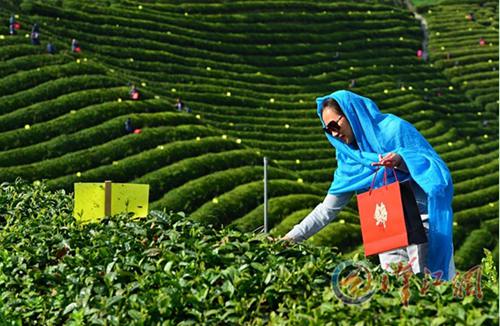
[(345, 133)]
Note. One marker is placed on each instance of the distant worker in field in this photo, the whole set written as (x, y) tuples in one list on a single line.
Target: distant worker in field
[(51, 49), (179, 105), (35, 34), (363, 137), (35, 28), (12, 29), (425, 56), (134, 93), (482, 42), (35, 38), (471, 17), (128, 126), (12, 25), (75, 47), (352, 83)]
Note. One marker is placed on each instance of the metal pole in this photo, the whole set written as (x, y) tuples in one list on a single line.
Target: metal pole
[(265, 194)]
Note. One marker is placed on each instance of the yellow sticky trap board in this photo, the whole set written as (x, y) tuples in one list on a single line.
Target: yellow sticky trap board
[(125, 197), (89, 202)]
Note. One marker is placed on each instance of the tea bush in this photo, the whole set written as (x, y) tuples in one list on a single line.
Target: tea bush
[(167, 269)]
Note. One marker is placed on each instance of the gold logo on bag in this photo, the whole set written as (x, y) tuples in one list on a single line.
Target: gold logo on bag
[(380, 214)]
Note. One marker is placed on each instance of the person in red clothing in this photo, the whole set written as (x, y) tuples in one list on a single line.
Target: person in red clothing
[(134, 93), (13, 25), (75, 47)]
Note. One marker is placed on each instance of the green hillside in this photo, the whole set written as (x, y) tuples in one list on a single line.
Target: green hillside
[(250, 71), (472, 67)]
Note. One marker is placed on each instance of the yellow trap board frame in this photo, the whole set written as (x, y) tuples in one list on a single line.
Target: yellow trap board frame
[(93, 201)]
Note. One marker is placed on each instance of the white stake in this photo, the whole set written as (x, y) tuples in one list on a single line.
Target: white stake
[(265, 195)]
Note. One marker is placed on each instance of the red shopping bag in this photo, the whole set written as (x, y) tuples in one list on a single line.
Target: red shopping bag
[(389, 217)]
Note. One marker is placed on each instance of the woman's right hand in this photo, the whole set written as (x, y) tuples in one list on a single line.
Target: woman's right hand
[(390, 160), (287, 240)]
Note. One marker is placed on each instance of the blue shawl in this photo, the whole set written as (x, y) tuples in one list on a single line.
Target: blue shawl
[(378, 133)]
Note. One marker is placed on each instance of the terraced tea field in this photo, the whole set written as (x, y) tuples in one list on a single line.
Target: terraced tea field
[(250, 71)]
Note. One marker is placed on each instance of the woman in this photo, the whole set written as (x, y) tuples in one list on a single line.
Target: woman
[(75, 47), (362, 137)]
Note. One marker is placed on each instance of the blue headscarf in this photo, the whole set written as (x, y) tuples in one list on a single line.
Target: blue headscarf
[(378, 133)]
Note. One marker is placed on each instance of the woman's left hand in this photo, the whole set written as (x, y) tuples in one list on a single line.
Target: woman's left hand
[(390, 160)]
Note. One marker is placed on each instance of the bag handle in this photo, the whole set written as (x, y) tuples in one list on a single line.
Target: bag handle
[(386, 165)]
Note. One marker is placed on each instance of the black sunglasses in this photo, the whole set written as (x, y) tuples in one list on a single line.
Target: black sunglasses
[(333, 126)]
